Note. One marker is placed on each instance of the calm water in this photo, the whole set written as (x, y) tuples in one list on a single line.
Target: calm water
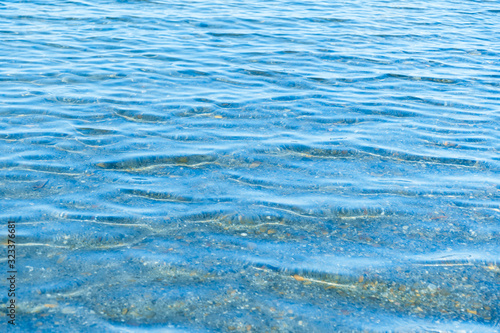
[(251, 166)]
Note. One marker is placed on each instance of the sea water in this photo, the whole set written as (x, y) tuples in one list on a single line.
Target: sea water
[(250, 166)]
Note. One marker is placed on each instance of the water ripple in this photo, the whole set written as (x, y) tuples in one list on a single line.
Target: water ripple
[(252, 166)]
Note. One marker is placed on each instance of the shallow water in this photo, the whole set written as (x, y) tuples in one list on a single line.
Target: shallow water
[(251, 165)]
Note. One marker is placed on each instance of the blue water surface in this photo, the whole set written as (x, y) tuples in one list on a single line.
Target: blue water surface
[(251, 166)]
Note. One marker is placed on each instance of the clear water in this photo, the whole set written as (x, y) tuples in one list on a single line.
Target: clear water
[(276, 166)]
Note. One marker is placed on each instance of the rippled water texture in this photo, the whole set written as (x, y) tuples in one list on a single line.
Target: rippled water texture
[(251, 166)]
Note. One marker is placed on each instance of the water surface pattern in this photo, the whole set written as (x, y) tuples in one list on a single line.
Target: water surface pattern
[(251, 166)]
